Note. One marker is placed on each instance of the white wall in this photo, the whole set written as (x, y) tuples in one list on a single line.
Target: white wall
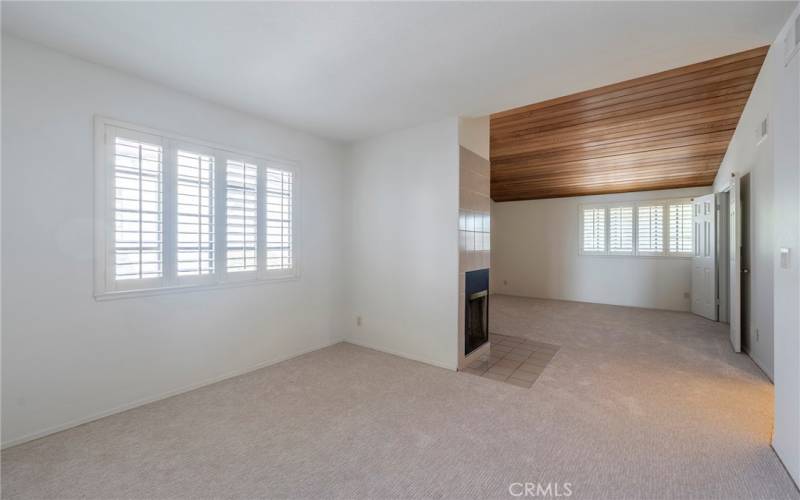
[(747, 154), (403, 243), (473, 134), (535, 253), (67, 358), (775, 223), (774, 168), (786, 127)]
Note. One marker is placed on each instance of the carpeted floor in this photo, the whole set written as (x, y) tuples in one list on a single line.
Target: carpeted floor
[(635, 404)]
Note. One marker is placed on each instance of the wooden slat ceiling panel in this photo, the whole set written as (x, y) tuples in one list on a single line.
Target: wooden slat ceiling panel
[(661, 131)]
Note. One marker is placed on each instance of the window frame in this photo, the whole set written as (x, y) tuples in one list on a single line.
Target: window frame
[(105, 284), (607, 206)]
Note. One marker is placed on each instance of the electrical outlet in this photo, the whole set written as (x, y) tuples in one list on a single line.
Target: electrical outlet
[(505, 282), (358, 320)]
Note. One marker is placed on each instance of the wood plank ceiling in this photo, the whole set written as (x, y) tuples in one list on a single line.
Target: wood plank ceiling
[(662, 131)]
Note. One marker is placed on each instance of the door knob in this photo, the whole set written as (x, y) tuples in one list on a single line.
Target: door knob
[(745, 270)]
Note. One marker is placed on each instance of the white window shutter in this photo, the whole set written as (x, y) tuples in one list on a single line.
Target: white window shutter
[(195, 206), (241, 202), (278, 201), (138, 180), (173, 213), (650, 225), (594, 230), (620, 230), (680, 228)]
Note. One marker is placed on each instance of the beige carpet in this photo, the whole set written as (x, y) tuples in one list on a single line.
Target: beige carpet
[(636, 404)]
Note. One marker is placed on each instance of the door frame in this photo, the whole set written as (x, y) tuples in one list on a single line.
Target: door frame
[(734, 264), (722, 204)]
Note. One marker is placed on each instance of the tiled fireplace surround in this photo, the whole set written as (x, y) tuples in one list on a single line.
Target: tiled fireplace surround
[(473, 233)]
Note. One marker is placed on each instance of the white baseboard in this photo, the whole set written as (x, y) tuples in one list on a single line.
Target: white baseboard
[(577, 301), (412, 357), (141, 402)]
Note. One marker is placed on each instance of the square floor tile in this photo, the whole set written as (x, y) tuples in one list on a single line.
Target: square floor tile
[(501, 370), (495, 376), (519, 383), (514, 355), (507, 363), (525, 375), (472, 371), (530, 368), (479, 365)]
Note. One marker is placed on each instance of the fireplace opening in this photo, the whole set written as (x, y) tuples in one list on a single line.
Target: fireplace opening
[(476, 309)]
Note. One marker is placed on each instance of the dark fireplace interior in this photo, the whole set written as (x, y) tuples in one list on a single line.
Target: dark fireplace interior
[(476, 309)]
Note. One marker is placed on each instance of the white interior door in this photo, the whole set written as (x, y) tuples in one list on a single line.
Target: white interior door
[(735, 252), (704, 265)]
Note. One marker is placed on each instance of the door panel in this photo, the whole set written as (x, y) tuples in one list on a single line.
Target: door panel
[(704, 266)]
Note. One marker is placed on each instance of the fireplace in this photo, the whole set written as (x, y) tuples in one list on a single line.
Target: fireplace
[(476, 309)]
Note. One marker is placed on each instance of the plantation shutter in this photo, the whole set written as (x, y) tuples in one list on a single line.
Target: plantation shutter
[(138, 209), (195, 213), (278, 212), (651, 229), (680, 228), (241, 201), (594, 230), (620, 230)]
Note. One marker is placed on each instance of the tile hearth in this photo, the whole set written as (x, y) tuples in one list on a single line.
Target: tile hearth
[(513, 360)]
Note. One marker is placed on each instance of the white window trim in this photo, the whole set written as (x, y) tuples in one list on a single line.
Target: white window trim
[(665, 203), (105, 287)]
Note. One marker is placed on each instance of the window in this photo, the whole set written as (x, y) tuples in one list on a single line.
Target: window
[(651, 228), (594, 230), (176, 213)]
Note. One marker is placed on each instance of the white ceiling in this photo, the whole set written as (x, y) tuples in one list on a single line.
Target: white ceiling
[(352, 70)]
